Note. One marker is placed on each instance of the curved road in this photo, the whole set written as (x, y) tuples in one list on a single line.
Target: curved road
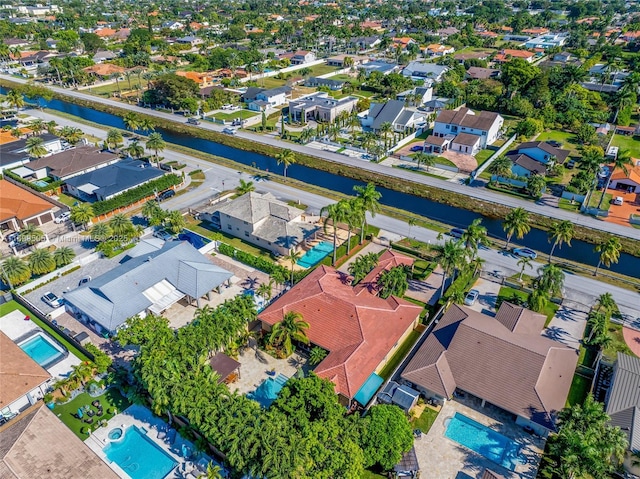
[(474, 193)]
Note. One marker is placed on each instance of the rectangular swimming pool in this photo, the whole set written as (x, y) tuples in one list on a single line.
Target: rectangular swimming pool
[(315, 254), (139, 456), (41, 350), (486, 442)]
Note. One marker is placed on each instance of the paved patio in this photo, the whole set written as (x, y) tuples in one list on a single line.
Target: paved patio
[(446, 459)]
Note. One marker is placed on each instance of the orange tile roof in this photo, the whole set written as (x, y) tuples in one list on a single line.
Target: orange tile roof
[(506, 29), (633, 174), (105, 32), (17, 202), (536, 30), (402, 40), (7, 137), (195, 76), (358, 328)]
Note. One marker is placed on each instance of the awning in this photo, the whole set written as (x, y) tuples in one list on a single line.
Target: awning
[(88, 188), (368, 389), (163, 295)]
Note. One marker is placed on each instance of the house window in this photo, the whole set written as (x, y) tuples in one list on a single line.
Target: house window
[(246, 223), (447, 127), (246, 233), (229, 227), (484, 133)]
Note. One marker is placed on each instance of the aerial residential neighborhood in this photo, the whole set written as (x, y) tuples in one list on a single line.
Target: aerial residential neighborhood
[(351, 239)]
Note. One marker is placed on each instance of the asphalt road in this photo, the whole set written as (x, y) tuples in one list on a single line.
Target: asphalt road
[(581, 289), (474, 193)]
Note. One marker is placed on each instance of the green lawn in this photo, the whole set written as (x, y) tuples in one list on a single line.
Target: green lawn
[(12, 305), (484, 155), (318, 70), (67, 200), (363, 93), (399, 355), (565, 204), (579, 390), (108, 90), (618, 344), (271, 82), (563, 137), (508, 294), (243, 114), (631, 143), (367, 474), (112, 398), (594, 199), (425, 421)]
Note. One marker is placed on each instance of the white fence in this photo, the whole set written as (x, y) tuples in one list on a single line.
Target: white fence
[(282, 70), (486, 164)]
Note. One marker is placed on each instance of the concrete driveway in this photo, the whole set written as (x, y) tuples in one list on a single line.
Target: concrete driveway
[(486, 302), (567, 326)]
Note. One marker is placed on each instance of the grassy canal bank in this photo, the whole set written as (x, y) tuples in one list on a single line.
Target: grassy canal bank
[(459, 200)]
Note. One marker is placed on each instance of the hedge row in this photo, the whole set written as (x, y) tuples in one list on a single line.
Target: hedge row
[(42, 189), (136, 194)]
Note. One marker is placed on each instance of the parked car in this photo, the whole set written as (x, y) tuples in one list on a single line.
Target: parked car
[(417, 148), (163, 234), (228, 106), (84, 280), (525, 253), (619, 201), (12, 237), (63, 218), (165, 195), (554, 143), (193, 121), (471, 297), (229, 131), (51, 299), (456, 233)]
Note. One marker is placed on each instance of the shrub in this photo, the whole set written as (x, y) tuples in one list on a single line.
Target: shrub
[(50, 186)]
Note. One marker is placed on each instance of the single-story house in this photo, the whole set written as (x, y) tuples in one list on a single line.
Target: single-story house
[(39, 444), (190, 40), (360, 330), (535, 157), (260, 99), (438, 50), (202, 79), (425, 71), (502, 360), (263, 220), (379, 66), (321, 106), (316, 82), (365, 43), (154, 276), (486, 125), (508, 54), (20, 207), (463, 57), (437, 144), (112, 180), (552, 40), (479, 73), (394, 112), (103, 56), (630, 181), (14, 153), (67, 164), (416, 96), (524, 165), (23, 380), (466, 143), (338, 60)]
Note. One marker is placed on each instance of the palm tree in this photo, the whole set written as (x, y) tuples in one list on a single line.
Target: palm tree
[(421, 158), (101, 232), (450, 257), (393, 282), (316, 355), (82, 214), (293, 257), (175, 222), (362, 265), (560, 232), (114, 137), (156, 143), (536, 185), (516, 223), (538, 300), (131, 121), (63, 256), (501, 166), (291, 328), (16, 271), (41, 262), (412, 222), (153, 213), (121, 225), (474, 236), (265, 290), (35, 147), (286, 158), (15, 99), (609, 252), (214, 471), (146, 124), (370, 204), (550, 279), (135, 149), (524, 262), (245, 187), (622, 162), (37, 126), (30, 235), (71, 134), (605, 302)]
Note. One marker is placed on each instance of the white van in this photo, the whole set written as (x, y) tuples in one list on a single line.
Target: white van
[(618, 201)]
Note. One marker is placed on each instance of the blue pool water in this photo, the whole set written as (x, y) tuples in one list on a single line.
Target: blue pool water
[(41, 183), (315, 254), (139, 456), (486, 442), (268, 390), (195, 239), (41, 350)]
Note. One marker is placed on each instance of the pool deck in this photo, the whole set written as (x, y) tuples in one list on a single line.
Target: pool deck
[(446, 459), (143, 418), (16, 328)]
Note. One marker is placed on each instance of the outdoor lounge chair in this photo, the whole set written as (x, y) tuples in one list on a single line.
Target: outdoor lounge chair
[(162, 433), (171, 437)]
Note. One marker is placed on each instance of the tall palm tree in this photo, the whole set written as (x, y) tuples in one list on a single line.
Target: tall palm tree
[(135, 149), (63, 256), (385, 129), (370, 203), (286, 158), (245, 187), (609, 253), (131, 121), (175, 222), (101, 232), (214, 471), (265, 290), (524, 262), (37, 126), (501, 166), (451, 257), (153, 213), (15, 99), (291, 328), (35, 147), (560, 232), (516, 223), (156, 143), (393, 282), (412, 222), (82, 214), (114, 137), (71, 134), (550, 279), (41, 261), (121, 225), (15, 270), (334, 214), (146, 125), (30, 235), (474, 236), (605, 302), (293, 258), (421, 158), (622, 162)]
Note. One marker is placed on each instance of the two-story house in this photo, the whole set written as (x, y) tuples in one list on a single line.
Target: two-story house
[(469, 132), (302, 56), (321, 106), (259, 99), (535, 157)]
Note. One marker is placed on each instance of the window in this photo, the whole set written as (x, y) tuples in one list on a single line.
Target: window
[(245, 223), (229, 227), (447, 127), (484, 133), (246, 233)]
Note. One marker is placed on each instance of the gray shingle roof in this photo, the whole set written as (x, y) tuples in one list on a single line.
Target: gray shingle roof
[(623, 402), (117, 295), (387, 112)]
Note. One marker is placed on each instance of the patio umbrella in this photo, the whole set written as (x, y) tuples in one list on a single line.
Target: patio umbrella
[(80, 413)]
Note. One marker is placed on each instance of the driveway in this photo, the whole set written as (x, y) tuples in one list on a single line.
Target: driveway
[(464, 162), (486, 302), (619, 214), (567, 326)]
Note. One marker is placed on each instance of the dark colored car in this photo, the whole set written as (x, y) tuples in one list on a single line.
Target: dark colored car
[(417, 148), (165, 195), (456, 233)]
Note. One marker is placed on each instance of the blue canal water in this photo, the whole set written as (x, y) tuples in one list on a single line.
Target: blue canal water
[(579, 251)]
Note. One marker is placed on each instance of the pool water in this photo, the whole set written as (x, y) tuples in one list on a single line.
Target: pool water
[(41, 350), (196, 240), (315, 254), (486, 442), (268, 390), (41, 183), (139, 456)]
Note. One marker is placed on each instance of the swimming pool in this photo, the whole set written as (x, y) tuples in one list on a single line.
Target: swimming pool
[(41, 183), (486, 442), (139, 456), (196, 240), (41, 350), (315, 254), (268, 390)]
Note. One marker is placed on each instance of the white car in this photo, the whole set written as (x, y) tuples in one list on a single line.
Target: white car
[(618, 201), (51, 299), (525, 253), (229, 131), (64, 217), (471, 297)]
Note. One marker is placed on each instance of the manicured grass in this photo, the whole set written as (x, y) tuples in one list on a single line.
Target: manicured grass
[(425, 421), (484, 155), (298, 205), (631, 143), (271, 82), (579, 390), (112, 398), (618, 344), (422, 269), (108, 90), (12, 305), (205, 229), (399, 355), (565, 204), (318, 70), (67, 200), (345, 77), (367, 474), (420, 171), (508, 294), (243, 114), (563, 137), (363, 93), (594, 200)]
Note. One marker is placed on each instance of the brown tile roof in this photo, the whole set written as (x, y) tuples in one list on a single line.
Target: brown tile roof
[(467, 139), (39, 445), (520, 320), (522, 372), (465, 117), (633, 174), (72, 161), (19, 374), (435, 140), (489, 474), (17, 202), (358, 330), (479, 73), (528, 163)]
